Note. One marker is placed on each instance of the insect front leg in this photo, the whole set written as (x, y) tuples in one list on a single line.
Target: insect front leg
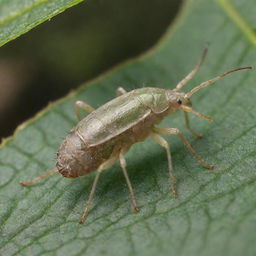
[(84, 106), (185, 142), (120, 91), (198, 135), (162, 142), (129, 184), (107, 164)]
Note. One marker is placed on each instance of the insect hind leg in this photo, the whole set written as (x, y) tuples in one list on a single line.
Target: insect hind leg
[(129, 184), (39, 178), (107, 164)]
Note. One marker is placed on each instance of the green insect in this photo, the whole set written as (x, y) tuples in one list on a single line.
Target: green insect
[(106, 134)]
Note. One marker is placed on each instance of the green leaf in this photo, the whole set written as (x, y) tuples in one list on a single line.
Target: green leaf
[(17, 17), (214, 213)]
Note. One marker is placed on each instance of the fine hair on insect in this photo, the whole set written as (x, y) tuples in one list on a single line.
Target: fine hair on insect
[(105, 135)]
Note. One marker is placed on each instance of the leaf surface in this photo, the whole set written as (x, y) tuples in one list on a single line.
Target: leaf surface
[(214, 213)]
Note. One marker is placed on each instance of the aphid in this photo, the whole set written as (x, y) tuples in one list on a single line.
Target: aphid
[(107, 133)]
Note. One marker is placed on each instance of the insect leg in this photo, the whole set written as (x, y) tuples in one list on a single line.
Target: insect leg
[(81, 104), (185, 142), (193, 72), (198, 135), (120, 91), (123, 165), (103, 166), (37, 179), (188, 109), (162, 142)]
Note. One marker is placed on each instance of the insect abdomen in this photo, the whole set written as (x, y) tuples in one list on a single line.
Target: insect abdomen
[(75, 158)]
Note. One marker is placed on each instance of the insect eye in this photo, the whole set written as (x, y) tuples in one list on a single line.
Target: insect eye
[(179, 102)]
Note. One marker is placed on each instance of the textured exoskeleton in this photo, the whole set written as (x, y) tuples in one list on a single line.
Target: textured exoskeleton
[(118, 124)]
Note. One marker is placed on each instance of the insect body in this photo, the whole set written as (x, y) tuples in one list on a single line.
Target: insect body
[(111, 128), (107, 133)]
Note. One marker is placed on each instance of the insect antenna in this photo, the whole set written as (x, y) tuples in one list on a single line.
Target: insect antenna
[(37, 179), (192, 73), (206, 83)]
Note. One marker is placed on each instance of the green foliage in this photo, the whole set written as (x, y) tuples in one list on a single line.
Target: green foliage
[(18, 17), (215, 211)]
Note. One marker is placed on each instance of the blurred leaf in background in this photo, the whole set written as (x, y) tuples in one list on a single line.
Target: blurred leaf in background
[(82, 42)]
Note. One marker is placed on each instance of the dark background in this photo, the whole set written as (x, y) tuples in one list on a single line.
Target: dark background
[(75, 46)]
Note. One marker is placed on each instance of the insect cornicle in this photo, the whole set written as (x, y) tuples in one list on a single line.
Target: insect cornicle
[(107, 133)]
